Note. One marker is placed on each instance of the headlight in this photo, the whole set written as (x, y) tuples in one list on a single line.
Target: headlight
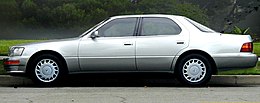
[(16, 51)]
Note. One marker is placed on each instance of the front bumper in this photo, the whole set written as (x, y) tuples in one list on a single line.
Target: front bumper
[(235, 61), (17, 67)]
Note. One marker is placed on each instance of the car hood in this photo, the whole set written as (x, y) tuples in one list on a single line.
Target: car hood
[(65, 47), (54, 41)]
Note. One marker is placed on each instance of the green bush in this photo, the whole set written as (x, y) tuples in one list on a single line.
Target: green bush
[(240, 31)]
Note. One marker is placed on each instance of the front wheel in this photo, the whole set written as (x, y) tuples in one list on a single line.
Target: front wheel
[(46, 69), (194, 70)]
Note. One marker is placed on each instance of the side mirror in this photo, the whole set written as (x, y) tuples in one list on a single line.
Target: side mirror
[(94, 35)]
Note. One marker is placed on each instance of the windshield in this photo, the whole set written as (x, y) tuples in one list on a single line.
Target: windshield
[(93, 28), (200, 26)]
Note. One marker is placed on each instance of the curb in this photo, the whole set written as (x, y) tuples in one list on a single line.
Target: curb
[(237, 80), (7, 80)]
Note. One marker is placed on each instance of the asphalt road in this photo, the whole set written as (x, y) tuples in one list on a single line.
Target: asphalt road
[(130, 95)]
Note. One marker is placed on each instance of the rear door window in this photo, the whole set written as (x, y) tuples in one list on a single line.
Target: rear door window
[(159, 26)]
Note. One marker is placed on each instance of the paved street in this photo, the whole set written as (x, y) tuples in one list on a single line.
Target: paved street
[(130, 95)]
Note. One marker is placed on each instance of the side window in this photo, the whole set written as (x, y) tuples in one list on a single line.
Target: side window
[(118, 28), (159, 26)]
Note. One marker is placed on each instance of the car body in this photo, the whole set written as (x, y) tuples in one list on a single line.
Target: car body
[(136, 43)]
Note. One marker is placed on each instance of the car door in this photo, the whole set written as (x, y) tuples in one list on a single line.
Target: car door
[(113, 50), (160, 40)]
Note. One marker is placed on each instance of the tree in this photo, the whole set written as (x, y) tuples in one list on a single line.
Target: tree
[(67, 16), (29, 8), (172, 7), (240, 9), (9, 16), (116, 7), (9, 12), (223, 14), (78, 15)]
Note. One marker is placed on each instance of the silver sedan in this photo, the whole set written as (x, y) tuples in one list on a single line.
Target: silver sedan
[(136, 43)]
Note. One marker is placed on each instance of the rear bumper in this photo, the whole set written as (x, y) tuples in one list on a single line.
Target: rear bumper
[(235, 61)]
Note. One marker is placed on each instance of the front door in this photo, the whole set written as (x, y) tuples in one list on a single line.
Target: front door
[(114, 50)]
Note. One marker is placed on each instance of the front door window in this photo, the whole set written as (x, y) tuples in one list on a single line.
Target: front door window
[(118, 28)]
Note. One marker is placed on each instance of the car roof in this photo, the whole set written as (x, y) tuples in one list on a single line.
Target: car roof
[(146, 15)]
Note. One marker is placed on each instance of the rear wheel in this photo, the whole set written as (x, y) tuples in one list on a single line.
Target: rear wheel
[(194, 70), (46, 69)]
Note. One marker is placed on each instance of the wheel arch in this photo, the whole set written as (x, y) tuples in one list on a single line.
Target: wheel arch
[(54, 53), (200, 52)]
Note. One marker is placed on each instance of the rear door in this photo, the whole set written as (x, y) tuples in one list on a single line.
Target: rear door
[(160, 40)]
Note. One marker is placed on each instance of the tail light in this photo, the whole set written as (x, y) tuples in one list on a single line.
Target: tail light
[(12, 62), (247, 47)]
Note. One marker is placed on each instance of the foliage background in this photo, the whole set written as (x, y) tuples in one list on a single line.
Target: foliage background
[(52, 19), (49, 19)]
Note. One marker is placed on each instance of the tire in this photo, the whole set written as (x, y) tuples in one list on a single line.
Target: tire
[(194, 70), (46, 70)]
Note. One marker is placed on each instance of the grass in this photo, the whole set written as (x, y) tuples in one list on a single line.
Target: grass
[(249, 71), (2, 71), (5, 44), (257, 48)]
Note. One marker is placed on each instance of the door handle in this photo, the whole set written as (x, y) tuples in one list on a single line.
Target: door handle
[(128, 44), (180, 42)]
